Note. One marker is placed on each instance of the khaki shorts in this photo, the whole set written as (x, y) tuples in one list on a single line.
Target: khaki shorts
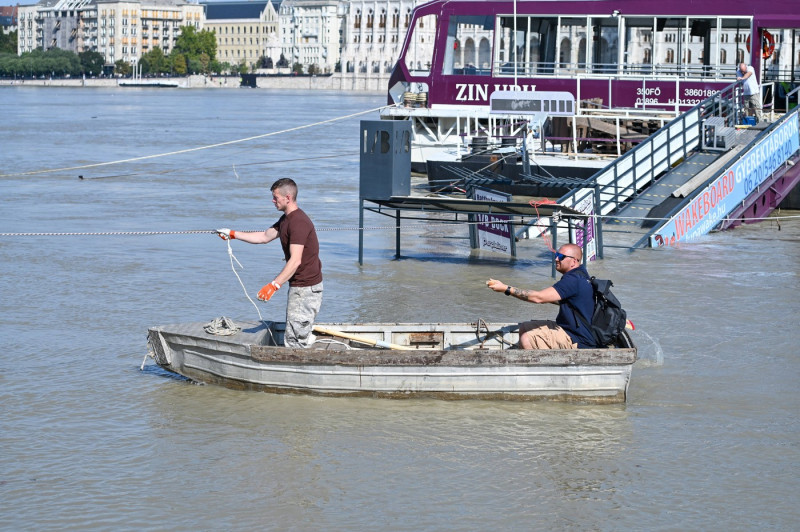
[(545, 334)]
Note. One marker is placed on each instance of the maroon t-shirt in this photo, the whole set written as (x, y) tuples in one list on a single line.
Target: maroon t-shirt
[(297, 228)]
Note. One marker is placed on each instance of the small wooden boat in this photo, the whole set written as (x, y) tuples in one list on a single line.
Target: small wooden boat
[(395, 360)]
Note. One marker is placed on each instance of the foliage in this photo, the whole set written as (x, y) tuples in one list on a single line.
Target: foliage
[(192, 43), (155, 62), (218, 68), (91, 63), (8, 42), (297, 68), (265, 62), (179, 64), (282, 62), (122, 68), (194, 66), (38, 63)]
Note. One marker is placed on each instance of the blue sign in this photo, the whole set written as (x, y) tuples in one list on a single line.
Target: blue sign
[(725, 193)]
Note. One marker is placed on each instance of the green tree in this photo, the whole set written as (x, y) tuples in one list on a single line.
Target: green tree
[(154, 62), (205, 60), (192, 43), (297, 68), (123, 68), (179, 64), (91, 62), (8, 42)]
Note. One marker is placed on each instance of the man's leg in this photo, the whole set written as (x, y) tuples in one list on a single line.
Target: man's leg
[(544, 334), (301, 311)]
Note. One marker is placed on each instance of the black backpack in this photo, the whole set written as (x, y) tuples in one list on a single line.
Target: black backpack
[(608, 318)]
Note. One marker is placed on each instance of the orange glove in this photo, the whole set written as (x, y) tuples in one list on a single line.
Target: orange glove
[(226, 234), (268, 291)]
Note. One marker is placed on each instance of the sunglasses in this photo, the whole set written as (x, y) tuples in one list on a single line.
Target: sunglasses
[(561, 256)]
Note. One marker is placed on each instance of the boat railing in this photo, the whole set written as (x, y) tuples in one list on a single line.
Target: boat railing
[(613, 71), (630, 174), (789, 95)]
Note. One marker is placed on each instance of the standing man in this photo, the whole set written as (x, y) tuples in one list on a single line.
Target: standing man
[(574, 288), (752, 92), (303, 269)]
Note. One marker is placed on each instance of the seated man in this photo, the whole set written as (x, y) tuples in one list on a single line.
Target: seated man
[(574, 287)]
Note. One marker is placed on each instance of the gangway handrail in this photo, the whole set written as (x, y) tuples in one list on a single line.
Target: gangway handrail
[(730, 164), (620, 181), (788, 95)]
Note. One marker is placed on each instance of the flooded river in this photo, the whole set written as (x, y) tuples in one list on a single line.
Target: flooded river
[(709, 439)]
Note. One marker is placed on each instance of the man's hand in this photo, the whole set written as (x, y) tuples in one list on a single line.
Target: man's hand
[(268, 291), (496, 285), (226, 234)]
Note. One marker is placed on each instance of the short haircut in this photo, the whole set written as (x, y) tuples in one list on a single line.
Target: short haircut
[(286, 185)]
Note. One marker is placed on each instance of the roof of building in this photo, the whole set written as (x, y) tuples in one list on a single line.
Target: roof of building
[(237, 10), (77, 4)]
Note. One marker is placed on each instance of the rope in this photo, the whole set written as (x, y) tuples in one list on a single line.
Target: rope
[(221, 327), (233, 258), (199, 148), (426, 225)]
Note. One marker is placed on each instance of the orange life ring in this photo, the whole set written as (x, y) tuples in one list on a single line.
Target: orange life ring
[(767, 44)]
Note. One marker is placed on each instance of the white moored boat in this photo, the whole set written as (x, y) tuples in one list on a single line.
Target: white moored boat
[(396, 360)]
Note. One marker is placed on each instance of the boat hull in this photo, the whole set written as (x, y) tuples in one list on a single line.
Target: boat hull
[(250, 360)]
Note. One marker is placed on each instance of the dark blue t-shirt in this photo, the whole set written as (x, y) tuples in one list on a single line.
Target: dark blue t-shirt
[(576, 288)]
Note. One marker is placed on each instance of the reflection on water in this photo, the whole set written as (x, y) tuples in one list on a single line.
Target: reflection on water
[(706, 440)]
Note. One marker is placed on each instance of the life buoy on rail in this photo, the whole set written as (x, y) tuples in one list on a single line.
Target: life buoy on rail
[(767, 44)]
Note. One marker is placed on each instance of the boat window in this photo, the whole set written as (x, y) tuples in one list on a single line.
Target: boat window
[(702, 38), (526, 46), (419, 50), (572, 46), (605, 44), (780, 46), (669, 45), (468, 50), (638, 58), (733, 40)]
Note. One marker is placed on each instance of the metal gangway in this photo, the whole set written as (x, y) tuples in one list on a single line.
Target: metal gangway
[(700, 172)]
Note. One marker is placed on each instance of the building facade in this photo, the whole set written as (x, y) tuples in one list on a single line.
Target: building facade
[(353, 36), (311, 33), (373, 34), (117, 30), (8, 18), (245, 31)]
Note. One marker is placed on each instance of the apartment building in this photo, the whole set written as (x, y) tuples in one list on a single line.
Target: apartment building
[(245, 31), (119, 30)]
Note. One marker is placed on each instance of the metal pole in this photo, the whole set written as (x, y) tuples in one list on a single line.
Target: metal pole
[(361, 231), (597, 224), (397, 234), (554, 239)]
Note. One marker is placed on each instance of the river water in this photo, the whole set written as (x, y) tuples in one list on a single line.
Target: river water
[(709, 438)]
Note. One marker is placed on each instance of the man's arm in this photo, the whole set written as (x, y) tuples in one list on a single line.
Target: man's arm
[(295, 257), (548, 295), (259, 237)]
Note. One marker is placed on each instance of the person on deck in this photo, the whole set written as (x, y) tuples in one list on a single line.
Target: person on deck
[(751, 90), (573, 292), (303, 269)]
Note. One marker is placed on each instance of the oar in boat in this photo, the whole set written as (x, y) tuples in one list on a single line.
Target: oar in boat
[(361, 339)]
